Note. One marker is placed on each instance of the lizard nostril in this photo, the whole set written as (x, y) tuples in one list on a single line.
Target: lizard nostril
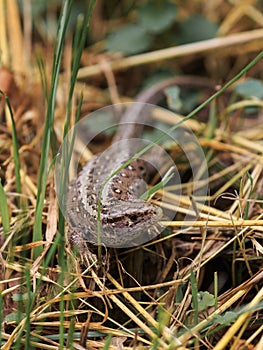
[(133, 218), (110, 220)]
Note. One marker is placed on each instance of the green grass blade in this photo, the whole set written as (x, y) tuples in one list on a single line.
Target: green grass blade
[(48, 130), (4, 210), (43, 77), (107, 342), (194, 295), (1, 317), (147, 194)]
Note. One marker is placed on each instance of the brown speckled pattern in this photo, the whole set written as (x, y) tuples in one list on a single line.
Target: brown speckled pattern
[(123, 215)]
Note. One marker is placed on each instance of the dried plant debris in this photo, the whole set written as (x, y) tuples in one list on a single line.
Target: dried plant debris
[(199, 283)]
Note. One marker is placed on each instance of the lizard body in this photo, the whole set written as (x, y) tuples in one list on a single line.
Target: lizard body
[(124, 216)]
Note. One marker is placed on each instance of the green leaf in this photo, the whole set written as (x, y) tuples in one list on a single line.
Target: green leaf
[(14, 317), (195, 28), (23, 297), (173, 97), (250, 88), (227, 318), (129, 39), (157, 16), (205, 300)]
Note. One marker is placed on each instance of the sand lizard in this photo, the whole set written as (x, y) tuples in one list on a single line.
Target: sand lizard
[(124, 216)]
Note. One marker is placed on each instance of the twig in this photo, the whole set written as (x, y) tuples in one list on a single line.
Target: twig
[(178, 51)]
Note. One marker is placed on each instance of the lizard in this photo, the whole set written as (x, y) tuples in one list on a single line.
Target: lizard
[(123, 215)]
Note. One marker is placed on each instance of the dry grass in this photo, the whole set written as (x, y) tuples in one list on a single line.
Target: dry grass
[(143, 297)]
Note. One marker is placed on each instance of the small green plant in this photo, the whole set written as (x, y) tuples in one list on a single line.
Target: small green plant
[(157, 24)]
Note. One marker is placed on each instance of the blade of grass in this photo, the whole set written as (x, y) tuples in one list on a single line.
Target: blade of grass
[(43, 77), (194, 295), (15, 144), (43, 167), (147, 194), (4, 210), (28, 307), (107, 342), (246, 210), (1, 316)]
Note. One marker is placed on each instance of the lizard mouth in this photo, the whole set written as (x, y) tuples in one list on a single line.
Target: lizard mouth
[(132, 229), (140, 219)]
